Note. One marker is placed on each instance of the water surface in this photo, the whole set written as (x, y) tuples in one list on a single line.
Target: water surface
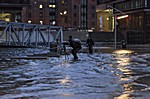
[(96, 76)]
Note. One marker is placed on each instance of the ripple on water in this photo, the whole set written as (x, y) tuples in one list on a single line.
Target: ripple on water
[(93, 75)]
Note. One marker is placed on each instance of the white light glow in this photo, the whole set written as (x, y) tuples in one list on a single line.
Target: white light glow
[(29, 21), (122, 17), (65, 12), (54, 22), (41, 22), (123, 51), (41, 6)]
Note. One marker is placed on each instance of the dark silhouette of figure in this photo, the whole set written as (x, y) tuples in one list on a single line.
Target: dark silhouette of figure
[(124, 44), (76, 46), (90, 44)]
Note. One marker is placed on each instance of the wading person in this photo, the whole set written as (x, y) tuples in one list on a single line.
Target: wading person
[(90, 44), (76, 46)]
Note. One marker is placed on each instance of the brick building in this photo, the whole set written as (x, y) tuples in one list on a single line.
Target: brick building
[(11, 10), (77, 14), (71, 14), (36, 13)]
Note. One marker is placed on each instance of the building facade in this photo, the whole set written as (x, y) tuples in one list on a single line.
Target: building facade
[(77, 14), (71, 14), (133, 19), (11, 10), (38, 12)]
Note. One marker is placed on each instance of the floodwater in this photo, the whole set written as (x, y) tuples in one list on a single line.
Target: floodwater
[(118, 75)]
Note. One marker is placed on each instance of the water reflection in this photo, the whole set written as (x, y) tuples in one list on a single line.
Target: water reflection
[(123, 51), (65, 80), (128, 64), (123, 60), (94, 75), (56, 77)]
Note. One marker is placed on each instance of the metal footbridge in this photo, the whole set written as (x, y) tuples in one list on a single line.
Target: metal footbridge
[(14, 34)]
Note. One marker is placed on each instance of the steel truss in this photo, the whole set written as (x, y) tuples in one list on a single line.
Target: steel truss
[(29, 35)]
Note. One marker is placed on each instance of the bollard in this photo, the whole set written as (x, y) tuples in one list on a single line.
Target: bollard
[(123, 44)]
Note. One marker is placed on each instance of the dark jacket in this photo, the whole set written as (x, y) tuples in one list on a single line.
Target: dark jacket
[(74, 44), (90, 42)]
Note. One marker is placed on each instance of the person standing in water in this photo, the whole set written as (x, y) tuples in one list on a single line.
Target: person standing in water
[(76, 46), (90, 44)]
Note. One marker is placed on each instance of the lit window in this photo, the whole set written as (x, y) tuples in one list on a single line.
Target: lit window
[(29, 21), (52, 6), (54, 22), (62, 1), (7, 19), (41, 22), (65, 12), (41, 6)]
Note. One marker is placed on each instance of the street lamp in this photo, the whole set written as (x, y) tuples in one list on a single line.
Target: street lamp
[(115, 21)]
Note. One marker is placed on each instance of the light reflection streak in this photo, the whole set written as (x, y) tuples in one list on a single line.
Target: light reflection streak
[(65, 80), (124, 61), (123, 51)]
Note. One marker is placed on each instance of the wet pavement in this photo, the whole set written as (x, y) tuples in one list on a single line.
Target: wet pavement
[(120, 75)]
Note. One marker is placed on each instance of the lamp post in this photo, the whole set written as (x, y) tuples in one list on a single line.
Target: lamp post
[(115, 23), (79, 16), (115, 29)]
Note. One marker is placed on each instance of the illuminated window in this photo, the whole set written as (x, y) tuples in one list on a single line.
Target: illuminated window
[(52, 6), (40, 6), (41, 22), (62, 1), (7, 19), (54, 22), (29, 21)]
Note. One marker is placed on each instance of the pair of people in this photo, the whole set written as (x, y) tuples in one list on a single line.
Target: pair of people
[(76, 46)]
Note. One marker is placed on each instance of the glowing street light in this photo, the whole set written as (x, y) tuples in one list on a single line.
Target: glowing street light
[(122, 17), (115, 21)]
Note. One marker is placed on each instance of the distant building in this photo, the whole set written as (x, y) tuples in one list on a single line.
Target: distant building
[(77, 14), (11, 10), (38, 12), (71, 14), (133, 19)]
